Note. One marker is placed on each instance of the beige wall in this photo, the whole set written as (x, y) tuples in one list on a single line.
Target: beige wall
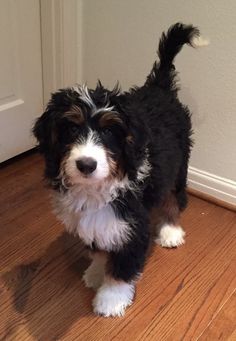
[(119, 42)]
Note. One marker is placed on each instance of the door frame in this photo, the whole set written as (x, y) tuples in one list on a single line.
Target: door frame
[(61, 41)]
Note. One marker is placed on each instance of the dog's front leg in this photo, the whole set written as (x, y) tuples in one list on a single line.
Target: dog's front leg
[(113, 297), (122, 271), (94, 275)]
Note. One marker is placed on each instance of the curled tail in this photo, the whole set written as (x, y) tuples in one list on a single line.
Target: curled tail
[(169, 46)]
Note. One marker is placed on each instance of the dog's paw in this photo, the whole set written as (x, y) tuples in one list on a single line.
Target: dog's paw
[(170, 236), (93, 277), (113, 298)]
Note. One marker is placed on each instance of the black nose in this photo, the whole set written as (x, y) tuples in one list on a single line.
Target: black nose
[(86, 165)]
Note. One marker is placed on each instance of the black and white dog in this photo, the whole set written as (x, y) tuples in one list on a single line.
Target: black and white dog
[(110, 157)]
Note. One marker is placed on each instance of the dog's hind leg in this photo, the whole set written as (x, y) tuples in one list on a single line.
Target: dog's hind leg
[(169, 232)]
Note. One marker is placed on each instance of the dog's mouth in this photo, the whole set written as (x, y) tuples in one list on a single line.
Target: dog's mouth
[(88, 177)]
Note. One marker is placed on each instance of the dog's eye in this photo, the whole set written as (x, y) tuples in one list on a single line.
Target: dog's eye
[(106, 132), (74, 128)]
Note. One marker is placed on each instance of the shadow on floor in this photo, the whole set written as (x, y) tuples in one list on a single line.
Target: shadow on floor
[(48, 294)]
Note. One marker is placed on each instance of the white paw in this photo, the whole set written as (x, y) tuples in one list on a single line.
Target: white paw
[(170, 236), (113, 298), (93, 276)]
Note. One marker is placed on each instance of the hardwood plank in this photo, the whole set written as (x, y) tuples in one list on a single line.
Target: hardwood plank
[(45, 294), (232, 337), (180, 289), (180, 295), (224, 324), (21, 186)]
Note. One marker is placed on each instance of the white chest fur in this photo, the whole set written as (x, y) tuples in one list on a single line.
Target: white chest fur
[(92, 217)]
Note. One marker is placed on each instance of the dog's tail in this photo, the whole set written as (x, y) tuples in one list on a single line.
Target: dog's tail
[(170, 45)]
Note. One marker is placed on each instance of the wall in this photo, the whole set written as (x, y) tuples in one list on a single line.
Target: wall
[(119, 42)]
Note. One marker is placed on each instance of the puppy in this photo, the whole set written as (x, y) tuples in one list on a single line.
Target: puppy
[(110, 157)]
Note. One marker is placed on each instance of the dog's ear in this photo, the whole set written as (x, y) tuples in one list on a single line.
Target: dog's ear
[(135, 146), (45, 128), (45, 131)]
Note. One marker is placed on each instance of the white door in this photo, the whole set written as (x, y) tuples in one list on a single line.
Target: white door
[(20, 75)]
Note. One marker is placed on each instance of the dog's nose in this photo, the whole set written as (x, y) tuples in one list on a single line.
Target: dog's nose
[(86, 165)]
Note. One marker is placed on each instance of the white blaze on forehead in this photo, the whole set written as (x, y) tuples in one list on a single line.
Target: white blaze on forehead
[(87, 147), (84, 95), (83, 92)]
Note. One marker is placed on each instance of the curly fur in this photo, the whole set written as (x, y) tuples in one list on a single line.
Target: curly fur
[(143, 140)]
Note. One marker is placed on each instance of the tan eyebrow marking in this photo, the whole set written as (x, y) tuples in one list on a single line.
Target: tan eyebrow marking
[(75, 115), (129, 139), (109, 118)]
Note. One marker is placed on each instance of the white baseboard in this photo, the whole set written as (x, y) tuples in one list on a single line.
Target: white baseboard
[(213, 185)]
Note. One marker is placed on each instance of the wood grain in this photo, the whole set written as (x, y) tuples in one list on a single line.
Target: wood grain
[(184, 294), (223, 326)]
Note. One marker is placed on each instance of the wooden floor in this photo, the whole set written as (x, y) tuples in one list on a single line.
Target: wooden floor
[(184, 294)]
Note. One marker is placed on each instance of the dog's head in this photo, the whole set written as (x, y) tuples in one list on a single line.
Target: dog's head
[(87, 137)]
